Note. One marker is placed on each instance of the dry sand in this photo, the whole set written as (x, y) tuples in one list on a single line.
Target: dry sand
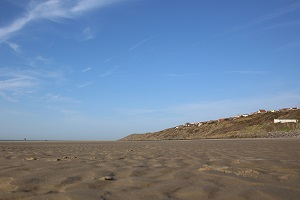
[(203, 169)]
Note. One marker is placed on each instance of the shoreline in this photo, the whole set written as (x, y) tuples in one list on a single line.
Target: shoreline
[(108, 141)]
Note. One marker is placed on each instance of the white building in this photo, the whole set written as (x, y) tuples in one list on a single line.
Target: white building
[(285, 120)]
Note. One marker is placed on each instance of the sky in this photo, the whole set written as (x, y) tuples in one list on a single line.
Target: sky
[(104, 69)]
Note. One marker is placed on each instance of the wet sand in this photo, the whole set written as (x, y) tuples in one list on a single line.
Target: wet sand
[(203, 169)]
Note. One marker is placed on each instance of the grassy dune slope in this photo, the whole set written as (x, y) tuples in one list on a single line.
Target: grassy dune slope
[(254, 126)]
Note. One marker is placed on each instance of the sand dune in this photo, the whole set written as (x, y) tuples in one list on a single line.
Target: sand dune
[(203, 169)]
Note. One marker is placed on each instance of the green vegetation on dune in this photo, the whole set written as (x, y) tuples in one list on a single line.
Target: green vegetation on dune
[(260, 125)]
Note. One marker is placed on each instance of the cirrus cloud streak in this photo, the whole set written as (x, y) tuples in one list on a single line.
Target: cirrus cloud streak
[(51, 10)]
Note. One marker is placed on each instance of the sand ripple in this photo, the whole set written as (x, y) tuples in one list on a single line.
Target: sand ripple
[(204, 169)]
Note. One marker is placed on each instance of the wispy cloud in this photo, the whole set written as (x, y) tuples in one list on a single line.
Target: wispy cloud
[(105, 74), (108, 59), (86, 69), (213, 109), (38, 61), (14, 47), (287, 46), (138, 44), (232, 107), (280, 25), (56, 98), (87, 34), (109, 72), (260, 20), (7, 98), (15, 83), (51, 10), (85, 84), (85, 5), (7, 32), (277, 13), (16, 78), (270, 16)]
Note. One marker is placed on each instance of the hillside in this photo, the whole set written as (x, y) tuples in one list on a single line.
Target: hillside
[(258, 125)]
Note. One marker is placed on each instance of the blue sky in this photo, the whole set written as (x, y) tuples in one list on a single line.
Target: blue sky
[(103, 69)]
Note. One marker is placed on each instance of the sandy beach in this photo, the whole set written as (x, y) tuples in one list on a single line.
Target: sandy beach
[(202, 169)]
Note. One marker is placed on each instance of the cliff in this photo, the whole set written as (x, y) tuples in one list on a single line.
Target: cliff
[(258, 125)]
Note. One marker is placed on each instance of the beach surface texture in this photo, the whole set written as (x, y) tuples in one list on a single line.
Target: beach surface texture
[(197, 169)]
